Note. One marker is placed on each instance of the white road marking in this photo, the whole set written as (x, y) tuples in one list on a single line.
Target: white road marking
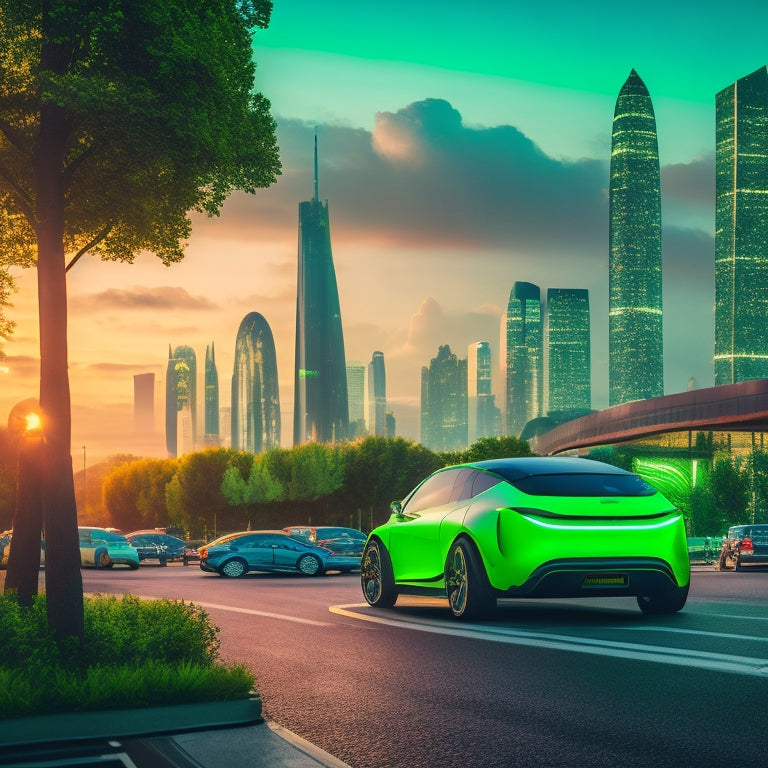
[(265, 614), (743, 665)]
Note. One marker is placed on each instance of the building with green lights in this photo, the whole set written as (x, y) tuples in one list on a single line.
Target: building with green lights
[(377, 395), (255, 411), (181, 401), (635, 342), (741, 230), (321, 408), (569, 350), (483, 417), (523, 345), (211, 434)]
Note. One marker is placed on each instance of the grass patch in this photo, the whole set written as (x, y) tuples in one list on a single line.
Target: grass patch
[(134, 653)]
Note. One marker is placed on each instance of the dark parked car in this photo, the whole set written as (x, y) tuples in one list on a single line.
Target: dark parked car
[(237, 553), (744, 545), (346, 544), (153, 545), (191, 552)]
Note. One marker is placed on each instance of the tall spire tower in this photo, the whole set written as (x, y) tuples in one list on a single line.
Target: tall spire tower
[(635, 343), (321, 412)]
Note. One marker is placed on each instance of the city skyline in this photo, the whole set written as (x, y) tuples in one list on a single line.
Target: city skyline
[(448, 181)]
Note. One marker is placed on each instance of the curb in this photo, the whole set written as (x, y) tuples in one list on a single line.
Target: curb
[(122, 723)]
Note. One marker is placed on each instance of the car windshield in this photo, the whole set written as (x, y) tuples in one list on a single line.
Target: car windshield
[(339, 533), (112, 538), (591, 484)]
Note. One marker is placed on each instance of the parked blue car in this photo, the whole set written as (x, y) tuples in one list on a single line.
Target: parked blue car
[(236, 554)]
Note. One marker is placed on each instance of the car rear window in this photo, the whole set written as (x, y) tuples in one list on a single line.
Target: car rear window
[(584, 485)]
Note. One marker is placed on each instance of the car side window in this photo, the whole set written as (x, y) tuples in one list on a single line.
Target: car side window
[(482, 481), (462, 486), (433, 492)]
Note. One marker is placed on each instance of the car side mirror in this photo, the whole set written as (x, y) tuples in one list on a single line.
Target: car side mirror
[(396, 507)]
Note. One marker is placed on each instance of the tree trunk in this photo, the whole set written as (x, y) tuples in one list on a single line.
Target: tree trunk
[(63, 580), (23, 567)]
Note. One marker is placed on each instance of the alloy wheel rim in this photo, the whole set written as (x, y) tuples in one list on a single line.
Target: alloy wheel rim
[(308, 565), (233, 568), (372, 574), (457, 581)]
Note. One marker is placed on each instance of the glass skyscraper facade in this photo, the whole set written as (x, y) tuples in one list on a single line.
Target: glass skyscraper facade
[(211, 434), (377, 395), (635, 340), (180, 400), (444, 402), (357, 374), (524, 348), (483, 417), (741, 230), (321, 410), (255, 413), (569, 350)]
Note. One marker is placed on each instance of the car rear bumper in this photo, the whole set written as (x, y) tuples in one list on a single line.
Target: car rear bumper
[(597, 577)]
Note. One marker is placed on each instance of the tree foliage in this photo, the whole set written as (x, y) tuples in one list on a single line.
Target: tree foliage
[(116, 119)]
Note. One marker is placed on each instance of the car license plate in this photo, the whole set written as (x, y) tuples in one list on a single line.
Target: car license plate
[(605, 580)]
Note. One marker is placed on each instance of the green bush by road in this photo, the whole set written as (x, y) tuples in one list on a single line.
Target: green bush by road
[(135, 653)]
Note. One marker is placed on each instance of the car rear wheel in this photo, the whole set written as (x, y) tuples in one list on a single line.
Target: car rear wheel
[(669, 601), (470, 595), (309, 565), (376, 577), (234, 569), (105, 561)]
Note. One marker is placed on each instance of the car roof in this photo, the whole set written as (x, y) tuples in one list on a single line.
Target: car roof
[(525, 466)]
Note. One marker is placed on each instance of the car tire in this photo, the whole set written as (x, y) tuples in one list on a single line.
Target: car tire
[(376, 577), (309, 565), (105, 561), (133, 566), (470, 595), (669, 601), (163, 561), (736, 564), (234, 569)]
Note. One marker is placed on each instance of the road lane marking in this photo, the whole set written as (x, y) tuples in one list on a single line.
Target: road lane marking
[(266, 614), (703, 633), (251, 611), (717, 662)]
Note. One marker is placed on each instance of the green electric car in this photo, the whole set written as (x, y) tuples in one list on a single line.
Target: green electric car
[(529, 527)]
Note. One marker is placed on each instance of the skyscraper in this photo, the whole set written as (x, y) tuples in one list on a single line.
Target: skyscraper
[(741, 230), (568, 345), (357, 374), (321, 411), (255, 393), (483, 417), (444, 402), (377, 395), (523, 343), (211, 434), (181, 401), (635, 343)]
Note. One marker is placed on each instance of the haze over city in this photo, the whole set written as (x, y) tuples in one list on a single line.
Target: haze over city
[(460, 151)]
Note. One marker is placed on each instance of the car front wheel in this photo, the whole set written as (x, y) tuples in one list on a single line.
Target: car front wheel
[(376, 577), (470, 595), (309, 565), (669, 601), (233, 569)]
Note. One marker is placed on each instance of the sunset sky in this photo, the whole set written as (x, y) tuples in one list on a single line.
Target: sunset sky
[(462, 147)]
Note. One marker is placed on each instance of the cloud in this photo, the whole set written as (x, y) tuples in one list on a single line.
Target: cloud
[(140, 298), (692, 183)]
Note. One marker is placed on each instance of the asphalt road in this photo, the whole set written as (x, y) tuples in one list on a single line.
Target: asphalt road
[(576, 683)]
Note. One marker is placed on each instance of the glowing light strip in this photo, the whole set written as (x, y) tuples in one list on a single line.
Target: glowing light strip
[(618, 525)]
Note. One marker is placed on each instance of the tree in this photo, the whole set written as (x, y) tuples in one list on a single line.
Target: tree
[(730, 492), (116, 120)]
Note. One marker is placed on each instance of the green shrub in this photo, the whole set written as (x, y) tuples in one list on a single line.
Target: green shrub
[(134, 653)]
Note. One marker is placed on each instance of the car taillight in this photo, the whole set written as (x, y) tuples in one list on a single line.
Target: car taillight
[(746, 544), (203, 553)]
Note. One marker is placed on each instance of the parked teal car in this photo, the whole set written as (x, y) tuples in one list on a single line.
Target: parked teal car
[(119, 551), (529, 527)]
